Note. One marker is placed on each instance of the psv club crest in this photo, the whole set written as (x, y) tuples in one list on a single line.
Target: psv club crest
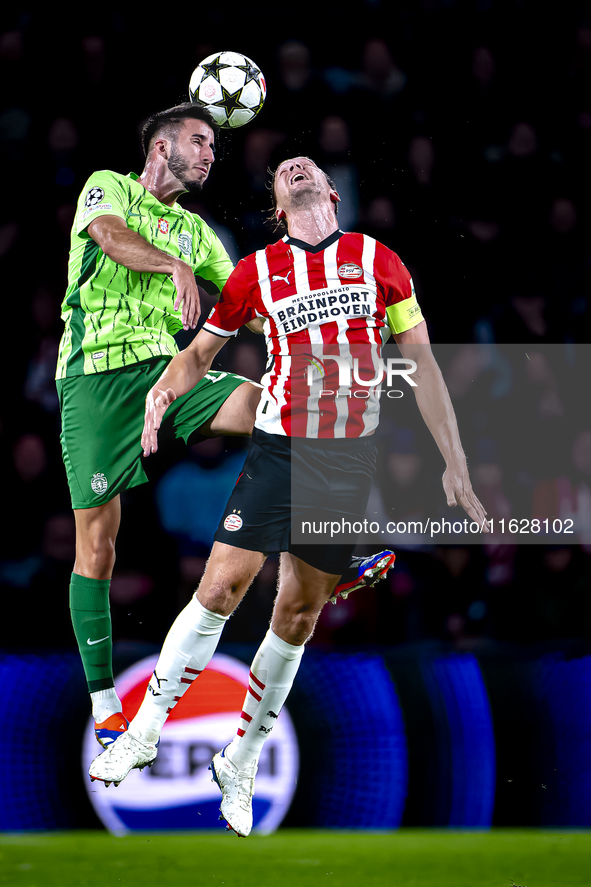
[(349, 270)]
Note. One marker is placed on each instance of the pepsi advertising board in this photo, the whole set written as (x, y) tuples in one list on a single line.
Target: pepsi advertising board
[(450, 729), (177, 792)]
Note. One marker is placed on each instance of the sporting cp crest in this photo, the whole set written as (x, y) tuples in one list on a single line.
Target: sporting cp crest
[(185, 243), (99, 483)]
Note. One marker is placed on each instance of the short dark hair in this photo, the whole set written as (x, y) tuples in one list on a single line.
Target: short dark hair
[(172, 118), (279, 223)]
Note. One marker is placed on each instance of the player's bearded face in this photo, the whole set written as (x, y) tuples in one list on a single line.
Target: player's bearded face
[(181, 169), (305, 197)]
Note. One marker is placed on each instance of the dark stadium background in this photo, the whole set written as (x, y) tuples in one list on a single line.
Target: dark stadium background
[(460, 136)]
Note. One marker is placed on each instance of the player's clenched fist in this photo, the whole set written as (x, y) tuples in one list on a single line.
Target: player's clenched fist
[(157, 402)]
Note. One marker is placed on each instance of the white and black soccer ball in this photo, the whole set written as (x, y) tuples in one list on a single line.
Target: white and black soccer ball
[(231, 86)]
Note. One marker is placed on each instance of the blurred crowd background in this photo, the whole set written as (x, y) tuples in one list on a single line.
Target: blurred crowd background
[(458, 133)]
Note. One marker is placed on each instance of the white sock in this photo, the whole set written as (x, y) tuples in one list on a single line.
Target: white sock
[(272, 674), (187, 648), (104, 704)]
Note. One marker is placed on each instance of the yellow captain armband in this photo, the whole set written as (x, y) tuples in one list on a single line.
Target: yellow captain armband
[(404, 315)]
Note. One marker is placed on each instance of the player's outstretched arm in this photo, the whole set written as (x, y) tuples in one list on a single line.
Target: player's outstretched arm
[(182, 374), (128, 248), (437, 410)]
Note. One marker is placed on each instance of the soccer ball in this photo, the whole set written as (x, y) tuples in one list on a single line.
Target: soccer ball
[(230, 86)]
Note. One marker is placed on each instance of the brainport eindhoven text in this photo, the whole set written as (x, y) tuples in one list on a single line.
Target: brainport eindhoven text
[(320, 306)]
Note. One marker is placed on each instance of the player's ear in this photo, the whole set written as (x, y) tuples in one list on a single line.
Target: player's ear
[(162, 148), (279, 214), (334, 196)]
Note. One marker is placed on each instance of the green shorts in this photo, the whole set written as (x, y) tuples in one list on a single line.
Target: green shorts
[(103, 418)]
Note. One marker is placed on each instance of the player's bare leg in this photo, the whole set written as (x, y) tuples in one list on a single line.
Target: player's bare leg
[(228, 575), (187, 649), (237, 413), (96, 534), (195, 633), (303, 591)]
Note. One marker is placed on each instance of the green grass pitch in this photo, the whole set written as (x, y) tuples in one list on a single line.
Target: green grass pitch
[(298, 858)]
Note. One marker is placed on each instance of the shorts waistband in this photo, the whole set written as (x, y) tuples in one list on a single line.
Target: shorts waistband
[(283, 442)]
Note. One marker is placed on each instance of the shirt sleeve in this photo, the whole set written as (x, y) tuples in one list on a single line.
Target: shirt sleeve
[(218, 266), (102, 195), (234, 308), (403, 312)]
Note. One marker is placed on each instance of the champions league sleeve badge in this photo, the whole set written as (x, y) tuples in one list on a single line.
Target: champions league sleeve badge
[(94, 201), (177, 793), (94, 196)]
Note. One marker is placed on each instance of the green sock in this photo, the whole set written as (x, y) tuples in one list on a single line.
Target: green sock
[(91, 620)]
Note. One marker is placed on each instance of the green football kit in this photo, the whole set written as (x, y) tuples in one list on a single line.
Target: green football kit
[(119, 334), (118, 338), (115, 317)]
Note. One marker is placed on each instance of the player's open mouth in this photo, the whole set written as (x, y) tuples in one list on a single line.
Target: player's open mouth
[(298, 177)]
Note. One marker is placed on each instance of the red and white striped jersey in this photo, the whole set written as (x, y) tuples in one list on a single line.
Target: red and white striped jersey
[(317, 303)]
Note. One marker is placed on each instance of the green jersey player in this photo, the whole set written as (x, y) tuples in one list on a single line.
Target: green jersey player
[(131, 286), (117, 316)]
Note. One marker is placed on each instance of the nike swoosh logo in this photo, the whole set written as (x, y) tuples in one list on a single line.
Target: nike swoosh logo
[(91, 643)]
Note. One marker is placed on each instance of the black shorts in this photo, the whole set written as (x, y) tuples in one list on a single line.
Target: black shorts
[(287, 479)]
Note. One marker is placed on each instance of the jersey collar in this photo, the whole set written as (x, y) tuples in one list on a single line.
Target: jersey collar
[(175, 206), (319, 246)]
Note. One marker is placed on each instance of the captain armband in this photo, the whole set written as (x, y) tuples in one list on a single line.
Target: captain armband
[(404, 315)]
